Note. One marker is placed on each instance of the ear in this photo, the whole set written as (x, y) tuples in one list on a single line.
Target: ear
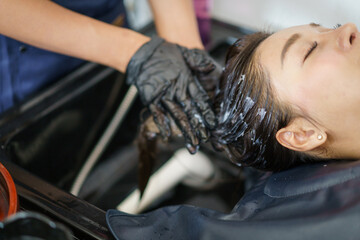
[(301, 135)]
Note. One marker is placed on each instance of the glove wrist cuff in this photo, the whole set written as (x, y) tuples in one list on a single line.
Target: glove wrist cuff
[(140, 57)]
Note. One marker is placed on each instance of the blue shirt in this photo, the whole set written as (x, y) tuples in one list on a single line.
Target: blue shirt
[(25, 69)]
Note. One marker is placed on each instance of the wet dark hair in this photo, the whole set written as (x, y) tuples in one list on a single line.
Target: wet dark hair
[(249, 112)]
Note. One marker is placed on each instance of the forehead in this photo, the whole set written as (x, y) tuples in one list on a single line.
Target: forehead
[(269, 51), (276, 41)]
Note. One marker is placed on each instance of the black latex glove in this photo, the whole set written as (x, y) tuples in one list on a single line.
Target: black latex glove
[(206, 69), (165, 75)]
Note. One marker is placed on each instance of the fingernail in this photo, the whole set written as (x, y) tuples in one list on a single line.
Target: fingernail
[(192, 149)]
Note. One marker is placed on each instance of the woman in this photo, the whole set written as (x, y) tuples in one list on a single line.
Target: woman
[(283, 99), (290, 97)]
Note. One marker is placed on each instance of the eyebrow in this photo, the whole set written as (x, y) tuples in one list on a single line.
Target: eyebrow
[(291, 41), (312, 24), (287, 45)]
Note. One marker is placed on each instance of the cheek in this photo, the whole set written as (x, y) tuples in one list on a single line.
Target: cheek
[(320, 86), (328, 90), (328, 73)]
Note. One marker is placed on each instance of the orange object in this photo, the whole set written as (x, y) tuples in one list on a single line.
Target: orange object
[(8, 195)]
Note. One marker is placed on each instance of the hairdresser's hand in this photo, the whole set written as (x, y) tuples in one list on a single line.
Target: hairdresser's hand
[(167, 86), (204, 67)]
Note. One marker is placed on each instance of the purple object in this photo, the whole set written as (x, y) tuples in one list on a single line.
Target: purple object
[(202, 11)]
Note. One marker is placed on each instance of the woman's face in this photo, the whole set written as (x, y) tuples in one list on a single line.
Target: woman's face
[(317, 70)]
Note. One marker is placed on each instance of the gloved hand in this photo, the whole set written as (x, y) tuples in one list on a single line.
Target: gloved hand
[(206, 69), (165, 75)]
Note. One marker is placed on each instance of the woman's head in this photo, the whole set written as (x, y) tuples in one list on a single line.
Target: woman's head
[(290, 96)]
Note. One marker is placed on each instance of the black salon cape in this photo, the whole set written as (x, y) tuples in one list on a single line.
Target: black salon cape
[(319, 201)]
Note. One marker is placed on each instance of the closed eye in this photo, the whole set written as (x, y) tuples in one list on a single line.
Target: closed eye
[(311, 49)]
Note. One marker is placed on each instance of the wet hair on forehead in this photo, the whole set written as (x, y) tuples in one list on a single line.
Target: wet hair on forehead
[(249, 113)]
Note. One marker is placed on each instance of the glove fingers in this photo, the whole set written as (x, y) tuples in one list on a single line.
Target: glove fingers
[(161, 121), (202, 101), (206, 69), (196, 120), (182, 122), (198, 60)]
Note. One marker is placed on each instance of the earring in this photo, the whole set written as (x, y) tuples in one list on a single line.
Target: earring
[(319, 137)]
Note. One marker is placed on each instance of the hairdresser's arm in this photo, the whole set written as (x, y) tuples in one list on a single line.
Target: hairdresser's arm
[(176, 22), (47, 25)]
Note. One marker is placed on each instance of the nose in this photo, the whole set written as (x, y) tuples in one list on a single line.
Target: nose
[(347, 34)]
